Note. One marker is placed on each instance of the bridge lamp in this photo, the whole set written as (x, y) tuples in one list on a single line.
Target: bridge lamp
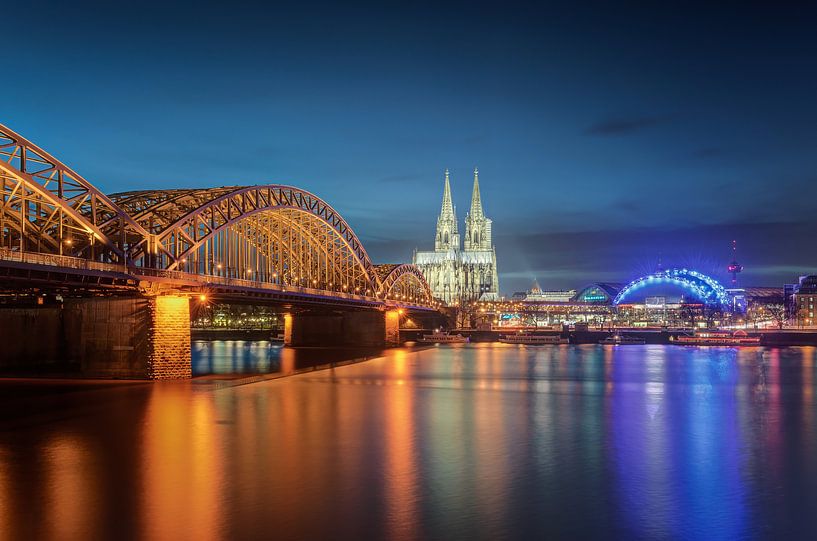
[(218, 266), (69, 242), (202, 297)]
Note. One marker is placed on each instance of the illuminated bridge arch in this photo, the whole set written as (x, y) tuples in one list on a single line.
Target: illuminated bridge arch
[(403, 283), (46, 207), (271, 233), (705, 288)]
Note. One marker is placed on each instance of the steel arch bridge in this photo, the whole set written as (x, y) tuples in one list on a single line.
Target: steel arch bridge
[(704, 287), (272, 234)]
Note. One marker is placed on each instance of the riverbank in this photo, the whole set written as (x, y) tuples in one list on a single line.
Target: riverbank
[(771, 338)]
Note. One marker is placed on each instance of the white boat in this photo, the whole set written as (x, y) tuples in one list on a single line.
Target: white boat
[(622, 340), (533, 339), (716, 338), (444, 338)]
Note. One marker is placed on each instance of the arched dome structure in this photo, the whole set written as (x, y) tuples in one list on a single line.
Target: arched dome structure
[(703, 287)]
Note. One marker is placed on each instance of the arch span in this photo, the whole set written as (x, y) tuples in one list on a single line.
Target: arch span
[(403, 283), (704, 287), (272, 233)]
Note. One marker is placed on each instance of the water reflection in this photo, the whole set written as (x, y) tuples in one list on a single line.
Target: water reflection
[(235, 357), (484, 441), (182, 464), (67, 469)]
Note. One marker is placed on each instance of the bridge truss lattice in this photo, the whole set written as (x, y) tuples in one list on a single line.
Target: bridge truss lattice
[(270, 233)]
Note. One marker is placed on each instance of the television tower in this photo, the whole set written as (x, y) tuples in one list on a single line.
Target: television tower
[(734, 267)]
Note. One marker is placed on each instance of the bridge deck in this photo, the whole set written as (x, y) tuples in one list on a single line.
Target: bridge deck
[(71, 272)]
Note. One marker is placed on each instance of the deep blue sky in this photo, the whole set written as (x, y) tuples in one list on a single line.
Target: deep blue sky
[(604, 136)]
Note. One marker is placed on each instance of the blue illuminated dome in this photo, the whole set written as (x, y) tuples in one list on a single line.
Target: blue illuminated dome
[(702, 287)]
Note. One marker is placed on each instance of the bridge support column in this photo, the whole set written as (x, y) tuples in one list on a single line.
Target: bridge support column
[(287, 329), (361, 328), (132, 337), (392, 328), (169, 338)]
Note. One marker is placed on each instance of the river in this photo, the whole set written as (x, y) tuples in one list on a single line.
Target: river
[(485, 441)]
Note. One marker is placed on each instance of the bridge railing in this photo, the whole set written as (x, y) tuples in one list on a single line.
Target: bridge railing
[(55, 260)]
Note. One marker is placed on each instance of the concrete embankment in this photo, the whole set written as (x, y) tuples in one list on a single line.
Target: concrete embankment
[(788, 337)]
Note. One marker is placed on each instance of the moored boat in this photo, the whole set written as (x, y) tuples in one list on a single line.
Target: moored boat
[(716, 338), (622, 340), (443, 338), (533, 339)]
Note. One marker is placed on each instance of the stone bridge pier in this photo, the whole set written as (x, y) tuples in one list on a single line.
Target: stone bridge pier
[(115, 337), (141, 337), (368, 328)]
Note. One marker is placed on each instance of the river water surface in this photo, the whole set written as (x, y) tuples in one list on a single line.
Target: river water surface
[(477, 442)]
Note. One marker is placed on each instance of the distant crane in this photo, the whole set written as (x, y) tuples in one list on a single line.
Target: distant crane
[(734, 267)]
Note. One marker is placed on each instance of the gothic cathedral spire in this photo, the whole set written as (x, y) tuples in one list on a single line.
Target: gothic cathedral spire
[(477, 226), (447, 232), (476, 201), (447, 210)]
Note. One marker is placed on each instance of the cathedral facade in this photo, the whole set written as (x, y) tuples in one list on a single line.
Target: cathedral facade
[(461, 272)]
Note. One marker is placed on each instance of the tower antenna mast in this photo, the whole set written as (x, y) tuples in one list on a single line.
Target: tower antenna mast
[(734, 267)]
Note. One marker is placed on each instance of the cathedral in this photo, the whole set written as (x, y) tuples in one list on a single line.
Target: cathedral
[(467, 272)]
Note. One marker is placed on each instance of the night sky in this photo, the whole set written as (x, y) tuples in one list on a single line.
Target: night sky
[(606, 138)]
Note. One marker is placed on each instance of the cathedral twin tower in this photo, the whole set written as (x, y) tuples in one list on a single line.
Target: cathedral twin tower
[(464, 274)]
